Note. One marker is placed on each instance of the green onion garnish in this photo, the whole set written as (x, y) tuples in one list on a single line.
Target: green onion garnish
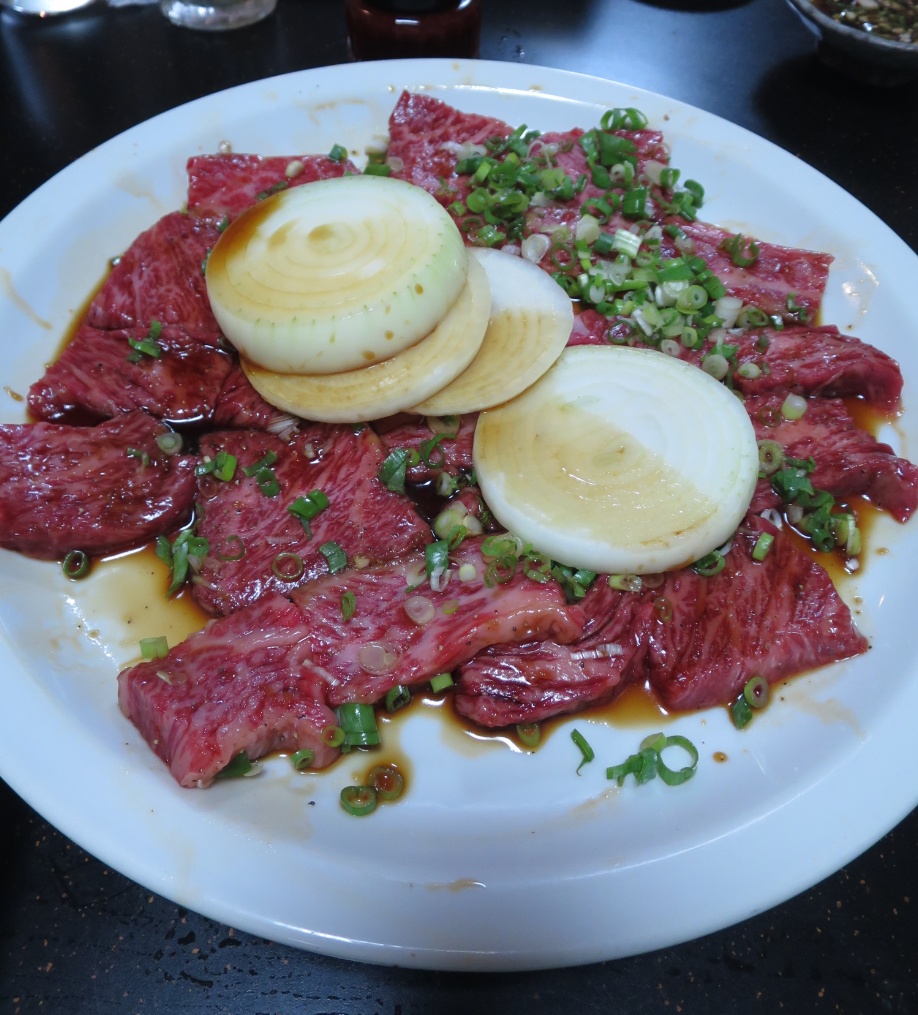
[(348, 605), (222, 466), (647, 763), (337, 153), (388, 782), (441, 682), (230, 555), (289, 567), (147, 346), (333, 736), (735, 247), (394, 469), (154, 648), (170, 443), (334, 556), (762, 546), (358, 723), (530, 734), (359, 800), (397, 697), (263, 463), (186, 549), (307, 507), (237, 767), (302, 759), (709, 565), (75, 564), (586, 752)]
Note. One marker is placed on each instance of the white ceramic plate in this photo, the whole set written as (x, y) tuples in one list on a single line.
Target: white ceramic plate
[(496, 859)]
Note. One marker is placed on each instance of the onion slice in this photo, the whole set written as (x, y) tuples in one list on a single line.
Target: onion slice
[(530, 324), (619, 460), (335, 275), (393, 385)]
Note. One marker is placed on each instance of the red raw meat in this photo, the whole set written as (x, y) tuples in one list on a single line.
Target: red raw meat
[(94, 376), (222, 186), (160, 277), (363, 517), (773, 619), (241, 407), (243, 683), (68, 488), (849, 461), (817, 361), (779, 272), (426, 135), (507, 685), (380, 646), (452, 455)]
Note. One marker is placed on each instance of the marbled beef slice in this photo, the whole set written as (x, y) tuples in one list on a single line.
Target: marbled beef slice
[(399, 634), (369, 522), (849, 461), (98, 489), (774, 618), (242, 683)]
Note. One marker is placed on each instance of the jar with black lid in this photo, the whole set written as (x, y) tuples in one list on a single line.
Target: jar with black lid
[(388, 29)]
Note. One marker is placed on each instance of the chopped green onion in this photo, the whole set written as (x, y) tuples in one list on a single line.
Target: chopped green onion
[(756, 692), (334, 555), (184, 551), (675, 777), (75, 564), (586, 751), (263, 463), (348, 605), (771, 457), (397, 698), (709, 565), (736, 245), (625, 582), (663, 609), (359, 724), (436, 559), (394, 469), (647, 763), (235, 554), (307, 507), (170, 443), (337, 153), (142, 456), (147, 346), (222, 466), (762, 546), (388, 782), (289, 567), (237, 767), (154, 648), (793, 407), (441, 682), (302, 759), (359, 800), (740, 713), (333, 736), (530, 734)]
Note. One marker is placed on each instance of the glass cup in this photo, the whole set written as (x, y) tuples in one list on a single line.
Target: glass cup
[(216, 15)]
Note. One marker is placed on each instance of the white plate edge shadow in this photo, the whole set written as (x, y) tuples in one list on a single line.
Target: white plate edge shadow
[(483, 932)]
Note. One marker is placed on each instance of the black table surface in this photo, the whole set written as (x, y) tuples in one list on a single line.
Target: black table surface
[(78, 937)]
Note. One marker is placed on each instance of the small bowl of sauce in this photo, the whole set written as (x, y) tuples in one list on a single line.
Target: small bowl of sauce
[(875, 41)]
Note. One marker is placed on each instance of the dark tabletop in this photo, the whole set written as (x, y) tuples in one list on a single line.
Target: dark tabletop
[(78, 937)]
